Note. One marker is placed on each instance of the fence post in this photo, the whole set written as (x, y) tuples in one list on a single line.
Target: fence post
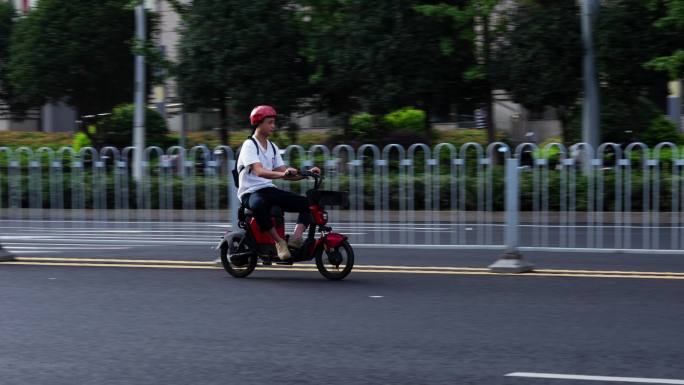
[(512, 261), (5, 255)]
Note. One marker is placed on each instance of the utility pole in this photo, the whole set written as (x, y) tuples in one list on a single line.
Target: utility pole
[(591, 107), (139, 117), (674, 104)]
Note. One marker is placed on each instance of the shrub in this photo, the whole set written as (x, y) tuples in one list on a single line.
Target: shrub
[(660, 130), (117, 129), (407, 119), (552, 154), (363, 126), (459, 137), (81, 140)]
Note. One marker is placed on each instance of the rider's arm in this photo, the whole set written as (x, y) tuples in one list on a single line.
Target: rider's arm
[(284, 168), (259, 170)]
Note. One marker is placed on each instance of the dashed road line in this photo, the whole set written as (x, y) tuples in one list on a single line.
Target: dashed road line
[(595, 378)]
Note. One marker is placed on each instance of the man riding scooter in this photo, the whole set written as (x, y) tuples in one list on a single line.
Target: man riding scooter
[(258, 164)]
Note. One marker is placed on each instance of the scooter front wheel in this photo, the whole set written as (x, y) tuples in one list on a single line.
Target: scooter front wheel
[(244, 264), (336, 263)]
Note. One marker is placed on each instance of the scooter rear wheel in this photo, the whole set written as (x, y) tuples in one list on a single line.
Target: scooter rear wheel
[(336, 263), (231, 247)]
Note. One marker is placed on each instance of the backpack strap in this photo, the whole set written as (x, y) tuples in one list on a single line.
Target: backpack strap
[(257, 148), (238, 169)]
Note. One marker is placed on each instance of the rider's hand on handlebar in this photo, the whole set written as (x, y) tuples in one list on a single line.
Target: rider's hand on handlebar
[(315, 170), (290, 172)]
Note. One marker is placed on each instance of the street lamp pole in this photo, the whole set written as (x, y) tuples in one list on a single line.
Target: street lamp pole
[(590, 110), (139, 117)]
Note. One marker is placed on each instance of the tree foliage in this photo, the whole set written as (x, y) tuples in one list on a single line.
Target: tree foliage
[(78, 51), (540, 61), (7, 16), (673, 20), (480, 23), (626, 38), (236, 54), (381, 55)]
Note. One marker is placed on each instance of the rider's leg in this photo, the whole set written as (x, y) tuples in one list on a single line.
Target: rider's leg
[(299, 230), (291, 202), (274, 234), (261, 202)]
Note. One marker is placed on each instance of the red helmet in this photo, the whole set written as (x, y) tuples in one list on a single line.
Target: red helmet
[(259, 113)]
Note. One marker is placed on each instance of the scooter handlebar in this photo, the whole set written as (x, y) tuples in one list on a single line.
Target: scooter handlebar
[(307, 174)]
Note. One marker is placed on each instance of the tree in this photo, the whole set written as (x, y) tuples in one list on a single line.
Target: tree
[(540, 61), (627, 38), (383, 55), (673, 64), (7, 15), (481, 23), (236, 54), (76, 51)]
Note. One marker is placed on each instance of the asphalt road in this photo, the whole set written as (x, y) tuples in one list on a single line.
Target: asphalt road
[(117, 314), (194, 242), (625, 236), (109, 325)]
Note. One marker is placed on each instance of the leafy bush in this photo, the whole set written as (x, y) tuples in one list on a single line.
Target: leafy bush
[(459, 137), (407, 119), (660, 130), (81, 140), (552, 155), (363, 126), (117, 129), (577, 191)]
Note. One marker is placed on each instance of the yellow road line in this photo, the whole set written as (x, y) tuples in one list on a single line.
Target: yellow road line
[(549, 272), (357, 269)]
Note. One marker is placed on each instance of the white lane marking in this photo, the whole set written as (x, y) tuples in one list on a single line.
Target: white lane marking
[(64, 248), (124, 241), (96, 237), (33, 252), (9, 244), (595, 378), (376, 296), (430, 247)]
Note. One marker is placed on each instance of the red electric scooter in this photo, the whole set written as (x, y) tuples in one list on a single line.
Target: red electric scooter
[(241, 250)]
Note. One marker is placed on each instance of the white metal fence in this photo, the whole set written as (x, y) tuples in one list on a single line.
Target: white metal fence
[(578, 198)]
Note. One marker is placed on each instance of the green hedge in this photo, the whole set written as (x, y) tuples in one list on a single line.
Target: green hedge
[(472, 183)]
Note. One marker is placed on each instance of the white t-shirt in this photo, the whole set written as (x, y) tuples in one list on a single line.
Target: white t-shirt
[(249, 181)]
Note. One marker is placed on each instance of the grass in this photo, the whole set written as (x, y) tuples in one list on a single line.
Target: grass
[(35, 140)]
